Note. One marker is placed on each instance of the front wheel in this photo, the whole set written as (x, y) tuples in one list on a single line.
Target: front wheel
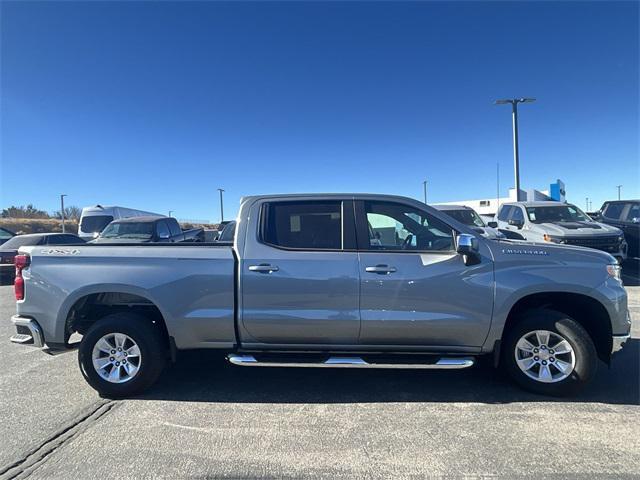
[(549, 353), (121, 355)]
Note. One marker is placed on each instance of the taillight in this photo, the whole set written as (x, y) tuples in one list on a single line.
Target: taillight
[(21, 262)]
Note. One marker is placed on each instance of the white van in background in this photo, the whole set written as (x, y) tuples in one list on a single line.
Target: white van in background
[(94, 219)]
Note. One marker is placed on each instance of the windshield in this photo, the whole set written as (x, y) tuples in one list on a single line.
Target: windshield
[(21, 241), (557, 214), (228, 232), (5, 234), (468, 217), (94, 223), (128, 230)]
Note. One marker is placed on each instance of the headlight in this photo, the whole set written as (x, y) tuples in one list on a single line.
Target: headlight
[(615, 271), (621, 239), (549, 238)]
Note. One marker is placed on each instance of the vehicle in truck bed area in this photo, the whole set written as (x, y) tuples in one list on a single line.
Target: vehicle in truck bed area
[(328, 280), (148, 229)]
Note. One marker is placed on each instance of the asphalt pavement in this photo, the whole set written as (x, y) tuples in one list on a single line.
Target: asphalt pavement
[(208, 419)]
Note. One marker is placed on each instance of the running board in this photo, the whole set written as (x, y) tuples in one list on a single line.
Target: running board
[(352, 362)]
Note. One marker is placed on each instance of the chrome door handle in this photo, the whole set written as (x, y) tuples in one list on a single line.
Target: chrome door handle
[(381, 269), (263, 268)]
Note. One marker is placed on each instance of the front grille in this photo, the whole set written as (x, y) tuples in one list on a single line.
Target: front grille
[(608, 244)]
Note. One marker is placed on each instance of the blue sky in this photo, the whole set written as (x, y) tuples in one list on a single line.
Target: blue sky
[(155, 105)]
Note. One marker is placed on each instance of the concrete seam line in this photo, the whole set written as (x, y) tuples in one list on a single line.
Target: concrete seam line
[(36, 456)]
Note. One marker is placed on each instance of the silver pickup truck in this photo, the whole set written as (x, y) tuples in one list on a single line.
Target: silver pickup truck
[(331, 280)]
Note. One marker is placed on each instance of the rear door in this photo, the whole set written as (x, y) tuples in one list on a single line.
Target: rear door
[(415, 289), (299, 275)]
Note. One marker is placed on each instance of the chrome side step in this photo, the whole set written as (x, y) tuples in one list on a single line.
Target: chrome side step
[(352, 362)]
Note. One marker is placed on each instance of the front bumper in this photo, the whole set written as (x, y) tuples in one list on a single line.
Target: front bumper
[(618, 342), (28, 332)]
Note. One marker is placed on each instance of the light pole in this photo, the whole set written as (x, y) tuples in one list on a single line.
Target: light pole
[(514, 113), (62, 210), (586, 201), (221, 206), (619, 187), (170, 212), (424, 184)]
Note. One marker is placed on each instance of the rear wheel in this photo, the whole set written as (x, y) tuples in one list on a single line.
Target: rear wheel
[(121, 355), (548, 352)]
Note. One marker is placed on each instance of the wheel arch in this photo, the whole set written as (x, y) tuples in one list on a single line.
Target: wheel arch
[(87, 305), (584, 309)]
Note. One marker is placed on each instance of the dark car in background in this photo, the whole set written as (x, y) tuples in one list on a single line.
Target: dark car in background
[(9, 249), (624, 214), (5, 235), (147, 229), (468, 216)]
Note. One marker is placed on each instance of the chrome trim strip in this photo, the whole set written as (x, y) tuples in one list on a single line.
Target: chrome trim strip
[(618, 342), (353, 362), (34, 329)]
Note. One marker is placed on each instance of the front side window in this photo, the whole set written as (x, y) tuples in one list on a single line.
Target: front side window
[(634, 212), (303, 225), (393, 226), (556, 214)]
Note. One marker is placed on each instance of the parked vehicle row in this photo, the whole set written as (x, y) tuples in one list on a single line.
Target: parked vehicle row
[(361, 281)]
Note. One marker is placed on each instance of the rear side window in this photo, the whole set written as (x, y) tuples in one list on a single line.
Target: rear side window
[(613, 211), (504, 213), (303, 225), (95, 223)]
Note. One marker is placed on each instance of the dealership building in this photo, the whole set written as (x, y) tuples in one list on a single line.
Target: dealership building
[(489, 206)]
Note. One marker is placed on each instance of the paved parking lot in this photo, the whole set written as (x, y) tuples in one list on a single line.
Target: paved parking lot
[(207, 419)]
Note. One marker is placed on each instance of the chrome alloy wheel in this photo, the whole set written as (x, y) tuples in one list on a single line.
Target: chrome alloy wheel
[(116, 357), (545, 356)]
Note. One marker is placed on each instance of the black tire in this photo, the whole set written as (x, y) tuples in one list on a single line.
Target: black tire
[(586, 357), (150, 342)]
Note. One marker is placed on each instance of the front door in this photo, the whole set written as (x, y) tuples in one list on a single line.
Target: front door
[(300, 280), (415, 289)]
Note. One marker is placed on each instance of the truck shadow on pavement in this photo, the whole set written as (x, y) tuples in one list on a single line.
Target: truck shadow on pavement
[(205, 376)]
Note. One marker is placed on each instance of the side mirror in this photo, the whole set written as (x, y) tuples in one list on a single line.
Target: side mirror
[(467, 245), (516, 223), (492, 224)]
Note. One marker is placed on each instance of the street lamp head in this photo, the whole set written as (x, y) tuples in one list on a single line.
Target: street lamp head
[(502, 102), (526, 100)]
